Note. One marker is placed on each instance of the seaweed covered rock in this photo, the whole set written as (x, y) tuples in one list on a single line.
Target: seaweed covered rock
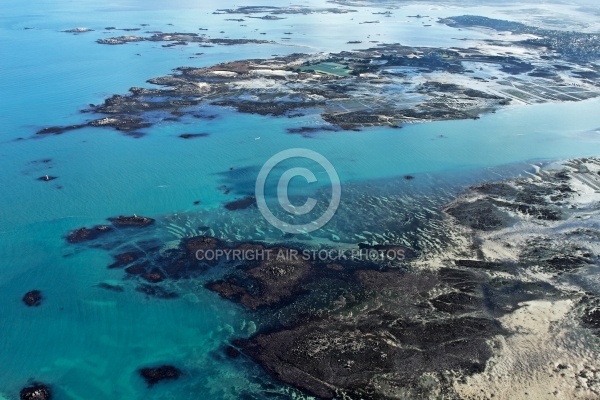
[(124, 259), (86, 234), (155, 375), (266, 283), (33, 298), (37, 391), (480, 214), (373, 356), (134, 220), (241, 204)]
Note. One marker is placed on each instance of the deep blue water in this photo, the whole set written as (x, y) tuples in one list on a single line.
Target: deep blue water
[(88, 342)]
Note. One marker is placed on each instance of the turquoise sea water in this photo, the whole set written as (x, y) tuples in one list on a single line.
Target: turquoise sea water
[(87, 342)]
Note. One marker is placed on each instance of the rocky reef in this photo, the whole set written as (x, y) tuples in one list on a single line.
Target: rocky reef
[(154, 375), (124, 259), (417, 325), (133, 220), (272, 280), (241, 204), (37, 391), (378, 343), (193, 135), (33, 298), (86, 234), (47, 178)]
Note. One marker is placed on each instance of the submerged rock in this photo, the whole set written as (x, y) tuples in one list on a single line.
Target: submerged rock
[(241, 204), (154, 276), (200, 243), (47, 178), (136, 269), (124, 259), (273, 280), (232, 352), (193, 135), (33, 298), (309, 131), (85, 234), (37, 391), (156, 291), (111, 287), (57, 130), (155, 375)]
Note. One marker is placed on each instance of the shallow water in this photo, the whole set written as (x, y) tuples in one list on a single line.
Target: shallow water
[(84, 339)]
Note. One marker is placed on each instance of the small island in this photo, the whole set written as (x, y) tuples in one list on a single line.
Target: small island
[(374, 86)]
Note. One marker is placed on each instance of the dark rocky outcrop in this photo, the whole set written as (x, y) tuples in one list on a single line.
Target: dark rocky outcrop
[(87, 234), (47, 178), (480, 214), (590, 316), (33, 298), (193, 135), (555, 258), (327, 358), (137, 269), (37, 391), (310, 131), (197, 244), (232, 352), (156, 291), (124, 259), (266, 108), (121, 123), (154, 276), (478, 264), (134, 220), (456, 302), (241, 204), (57, 130), (267, 283), (154, 375)]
